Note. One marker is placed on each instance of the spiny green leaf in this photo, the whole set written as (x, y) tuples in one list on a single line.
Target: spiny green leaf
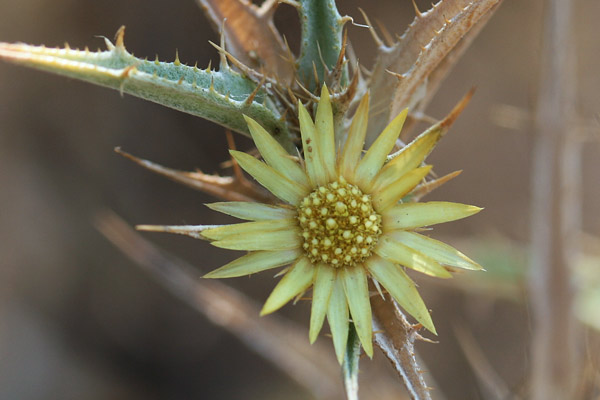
[(220, 96), (321, 39)]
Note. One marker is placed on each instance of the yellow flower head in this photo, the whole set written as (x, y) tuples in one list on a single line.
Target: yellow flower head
[(343, 222)]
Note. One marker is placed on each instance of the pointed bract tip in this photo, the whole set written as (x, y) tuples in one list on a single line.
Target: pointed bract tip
[(324, 91), (403, 114), (432, 329), (475, 209), (264, 311), (210, 275), (300, 105), (340, 357), (368, 348)]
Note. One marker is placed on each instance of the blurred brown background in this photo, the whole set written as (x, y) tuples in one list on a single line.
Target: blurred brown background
[(78, 320)]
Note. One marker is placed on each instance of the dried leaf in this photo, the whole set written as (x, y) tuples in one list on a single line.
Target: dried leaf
[(251, 36), (422, 57), (232, 188)]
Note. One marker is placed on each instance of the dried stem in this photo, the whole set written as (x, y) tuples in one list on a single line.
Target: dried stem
[(395, 337), (556, 209)]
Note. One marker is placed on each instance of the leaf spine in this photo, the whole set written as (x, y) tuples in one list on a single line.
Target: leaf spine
[(177, 62)]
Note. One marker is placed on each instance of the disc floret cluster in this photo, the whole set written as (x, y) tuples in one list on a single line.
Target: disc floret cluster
[(339, 225)]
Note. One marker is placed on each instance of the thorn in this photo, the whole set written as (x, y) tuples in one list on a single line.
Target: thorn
[(288, 52), (86, 49), (267, 8), (209, 66), (420, 191), (212, 84), (305, 90), (364, 70), (350, 91), (323, 63), (188, 230), (378, 287), (237, 170), (119, 38), (67, 47), (292, 3), (422, 338), (386, 34), (124, 75), (316, 74), (284, 115), (177, 62), (196, 66), (292, 95), (417, 11), (396, 74), (457, 110), (244, 68), (282, 272), (376, 38), (337, 70), (222, 56), (297, 298), (446, 19), (250, 98), (180, 81)]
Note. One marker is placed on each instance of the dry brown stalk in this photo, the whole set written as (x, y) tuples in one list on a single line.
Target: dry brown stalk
[(556, 208)]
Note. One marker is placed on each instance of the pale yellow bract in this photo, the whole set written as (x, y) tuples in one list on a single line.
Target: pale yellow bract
[(343, 222)]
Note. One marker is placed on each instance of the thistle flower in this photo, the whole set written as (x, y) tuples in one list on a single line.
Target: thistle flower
[(342, 223)]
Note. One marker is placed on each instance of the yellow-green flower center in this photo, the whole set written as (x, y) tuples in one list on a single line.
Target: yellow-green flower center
[(339, 225)]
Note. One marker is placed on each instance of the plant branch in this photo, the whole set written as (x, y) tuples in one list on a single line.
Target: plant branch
[(395, 337), (556, 208)]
